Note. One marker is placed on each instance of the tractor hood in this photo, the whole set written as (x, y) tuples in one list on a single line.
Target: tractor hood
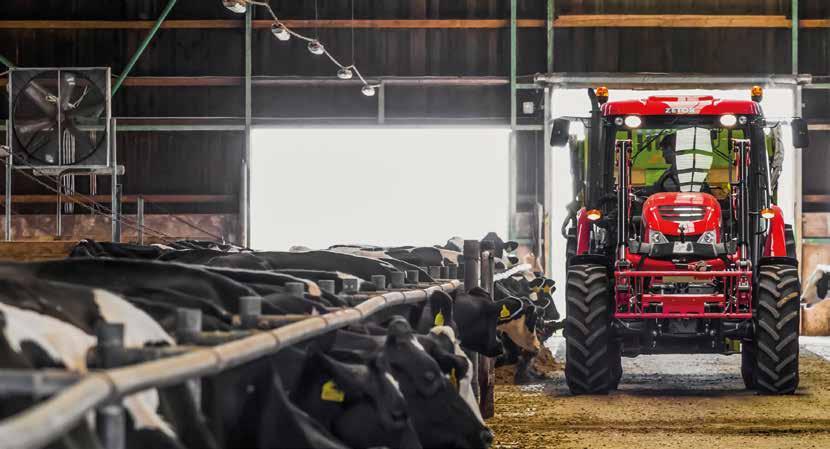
[(693, 213)]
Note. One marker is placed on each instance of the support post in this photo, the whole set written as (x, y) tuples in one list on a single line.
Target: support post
[(487, 267), (114, 179), (119, 197), (250, 309), (513, 179), (110, 422), (547, 167), (487, 365), (140, 214), (7, 219), (295, 288), (380, 282), (798, 158), (144, 44), (513, 56), (188, 327), (382, 103), (58, 211), (472, 258), (245, 188), (551, 16)]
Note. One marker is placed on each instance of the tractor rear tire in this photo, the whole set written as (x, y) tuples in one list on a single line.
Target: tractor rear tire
[(588, 361), (777, 324)]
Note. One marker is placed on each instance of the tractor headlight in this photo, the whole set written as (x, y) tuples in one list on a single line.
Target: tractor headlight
[(708, 238), (656, 237), (633, 121), (728, 120)]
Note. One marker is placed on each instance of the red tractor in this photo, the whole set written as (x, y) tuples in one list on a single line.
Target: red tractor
[(688, 254)]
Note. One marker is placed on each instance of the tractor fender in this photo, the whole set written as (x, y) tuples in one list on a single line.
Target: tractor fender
[(598, 259), (775, 244), (782, 260)]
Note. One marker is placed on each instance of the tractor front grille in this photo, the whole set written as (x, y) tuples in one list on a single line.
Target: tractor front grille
[(682, 213)]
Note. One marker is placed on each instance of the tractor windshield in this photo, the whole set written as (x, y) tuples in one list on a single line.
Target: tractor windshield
[(690, 157)]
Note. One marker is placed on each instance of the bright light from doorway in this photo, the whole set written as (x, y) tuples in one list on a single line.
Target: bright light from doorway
[(404, 186)]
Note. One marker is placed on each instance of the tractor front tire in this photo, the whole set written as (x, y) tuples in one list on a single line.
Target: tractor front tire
[(588, 360), (777, 323)]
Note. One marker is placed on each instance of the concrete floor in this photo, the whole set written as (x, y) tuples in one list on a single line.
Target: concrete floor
[(674, 401)]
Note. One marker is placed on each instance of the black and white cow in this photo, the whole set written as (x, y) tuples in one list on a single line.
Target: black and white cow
[(51, 325)]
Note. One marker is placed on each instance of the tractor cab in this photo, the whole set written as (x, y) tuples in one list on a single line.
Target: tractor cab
[(675, 239)]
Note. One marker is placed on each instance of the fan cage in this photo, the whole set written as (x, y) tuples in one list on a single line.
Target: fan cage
[(100, 158)]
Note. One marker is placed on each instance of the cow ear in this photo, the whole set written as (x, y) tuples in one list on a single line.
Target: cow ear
[(537, 283), (478, 291), (510, 246), (509, 308), (461, 366), (398, 330), (441, 303)]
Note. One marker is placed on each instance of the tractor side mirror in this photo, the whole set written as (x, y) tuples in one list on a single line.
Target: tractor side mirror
[(559, 134), (801, 138)]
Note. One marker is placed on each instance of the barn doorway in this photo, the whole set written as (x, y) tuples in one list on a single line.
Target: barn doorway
[(381, 186)]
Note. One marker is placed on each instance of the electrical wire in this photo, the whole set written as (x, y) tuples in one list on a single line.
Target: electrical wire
[(331, 57), (196, 227), (92, 205)]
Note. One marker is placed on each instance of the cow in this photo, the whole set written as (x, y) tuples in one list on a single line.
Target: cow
[(540, 319), (815, 307), (51, 325), (440, 416)]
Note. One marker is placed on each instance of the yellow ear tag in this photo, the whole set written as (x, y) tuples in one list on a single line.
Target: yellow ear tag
[(454, 378), (331, 393), (439, 319), (505, 313), (546, 289), (535, 289)]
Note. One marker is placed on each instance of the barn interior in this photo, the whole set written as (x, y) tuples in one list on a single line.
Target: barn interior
[(257, 184)]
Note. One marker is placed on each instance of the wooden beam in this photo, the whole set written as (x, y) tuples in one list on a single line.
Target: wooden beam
[(30, 251), (670, 21), (167, 199), (564, 21), (824, 199)]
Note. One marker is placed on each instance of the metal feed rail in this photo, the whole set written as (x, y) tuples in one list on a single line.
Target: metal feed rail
[(45, 422)]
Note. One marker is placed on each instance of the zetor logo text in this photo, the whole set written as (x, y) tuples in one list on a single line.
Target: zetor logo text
[(683, 108)]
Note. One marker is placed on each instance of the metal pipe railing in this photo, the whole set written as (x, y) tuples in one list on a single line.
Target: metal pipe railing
[(45, 422)]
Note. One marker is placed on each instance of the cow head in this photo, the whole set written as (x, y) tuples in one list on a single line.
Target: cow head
[(440, 415), (360, 403), (477, 317), (517, 320)]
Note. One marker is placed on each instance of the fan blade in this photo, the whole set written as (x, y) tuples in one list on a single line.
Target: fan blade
[(68, 84), (33, 146), (93, 111), (38, 96), (70, 126), (33, 126)]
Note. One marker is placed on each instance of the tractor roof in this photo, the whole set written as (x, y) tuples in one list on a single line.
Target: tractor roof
[(680, 105)]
